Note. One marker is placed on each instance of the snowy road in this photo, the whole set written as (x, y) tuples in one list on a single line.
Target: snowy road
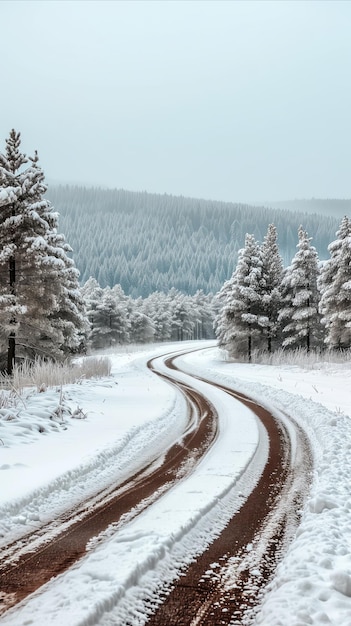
[(128, 566), (225, 584), (56, 546)]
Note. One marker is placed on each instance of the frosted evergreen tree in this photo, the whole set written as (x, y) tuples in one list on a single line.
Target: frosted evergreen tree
[(157, 307), (69, 318), (142, 328), (92, 295), (272, 272), (204, 306), (223, 320), (182, 314), (108, 314), (40, 308), (106, 328), (240, 321), (335, 285), (125, 305), (299, 316)]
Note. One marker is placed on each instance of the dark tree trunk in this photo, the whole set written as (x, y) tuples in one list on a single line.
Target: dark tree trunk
[(11, 351), (269, 346), (249, 346)]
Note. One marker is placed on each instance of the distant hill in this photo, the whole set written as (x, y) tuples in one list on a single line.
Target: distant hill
[(334, 208), (148, 242)]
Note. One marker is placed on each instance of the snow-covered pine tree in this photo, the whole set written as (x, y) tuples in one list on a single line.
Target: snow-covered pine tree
[(272, 272), (204, 306), (223, 320), (34, 283), (109, 313), (106, 329), (335, 286), (157, 307), (70, 318), (299, 315), (124, 304), (142, 328), (183, 315), (240, 320), (91, 293)]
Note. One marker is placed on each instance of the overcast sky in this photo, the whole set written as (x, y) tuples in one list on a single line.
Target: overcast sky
[(237, 101)]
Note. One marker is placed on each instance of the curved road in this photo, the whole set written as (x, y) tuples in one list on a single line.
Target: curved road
[(225, 582)]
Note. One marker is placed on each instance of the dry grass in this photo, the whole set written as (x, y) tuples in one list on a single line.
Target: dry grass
[(315, 359), (43, 374)]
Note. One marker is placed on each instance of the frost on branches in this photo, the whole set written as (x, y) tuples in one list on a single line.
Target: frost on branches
[(242, 318), (299, 316), (307, 306), (335, 284), (41, 309), (272, 272)]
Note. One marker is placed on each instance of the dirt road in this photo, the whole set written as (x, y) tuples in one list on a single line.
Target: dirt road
[(227, 579), (226, 583)]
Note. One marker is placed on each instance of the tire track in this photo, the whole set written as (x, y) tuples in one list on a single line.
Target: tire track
[(226, 583), (24, 573)]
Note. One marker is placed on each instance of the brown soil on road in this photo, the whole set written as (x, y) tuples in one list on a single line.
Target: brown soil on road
[(21, 577), (226, 583), (226, 580)]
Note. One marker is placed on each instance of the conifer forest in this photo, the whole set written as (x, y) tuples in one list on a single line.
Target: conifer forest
[(148, 242), (139, 267)]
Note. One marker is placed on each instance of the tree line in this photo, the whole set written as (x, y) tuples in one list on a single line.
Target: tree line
[(45, 311), (307, 305), (116, 318)]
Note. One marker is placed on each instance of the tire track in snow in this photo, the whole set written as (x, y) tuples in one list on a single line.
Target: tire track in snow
[(30, 566), (226, 583)]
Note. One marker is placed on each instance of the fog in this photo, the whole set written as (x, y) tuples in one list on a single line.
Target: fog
[(238, 101)]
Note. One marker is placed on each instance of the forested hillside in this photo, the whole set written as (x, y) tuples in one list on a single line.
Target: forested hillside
[(325, 206), (147, 242)]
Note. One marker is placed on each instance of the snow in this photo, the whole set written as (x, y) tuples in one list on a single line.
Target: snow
[(8, 195), (48, 465)]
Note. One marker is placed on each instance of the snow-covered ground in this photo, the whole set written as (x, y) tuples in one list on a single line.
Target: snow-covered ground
[(48, 465)]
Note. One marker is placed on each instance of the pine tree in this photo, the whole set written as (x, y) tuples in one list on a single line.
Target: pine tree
[(182, 314), (240, 321), (272, 272), (157, 307), (142, 328), (203, 305), (299, 316), (335, 285), (37, 280), (106, 331)]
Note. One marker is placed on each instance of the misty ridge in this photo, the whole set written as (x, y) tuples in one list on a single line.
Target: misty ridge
[(152, 242), (331, 207)]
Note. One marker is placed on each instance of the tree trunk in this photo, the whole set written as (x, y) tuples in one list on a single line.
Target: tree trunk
[(11, 351), (269, 343), (249, 346)]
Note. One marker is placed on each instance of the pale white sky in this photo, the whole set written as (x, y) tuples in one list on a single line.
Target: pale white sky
[(237, 101)]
